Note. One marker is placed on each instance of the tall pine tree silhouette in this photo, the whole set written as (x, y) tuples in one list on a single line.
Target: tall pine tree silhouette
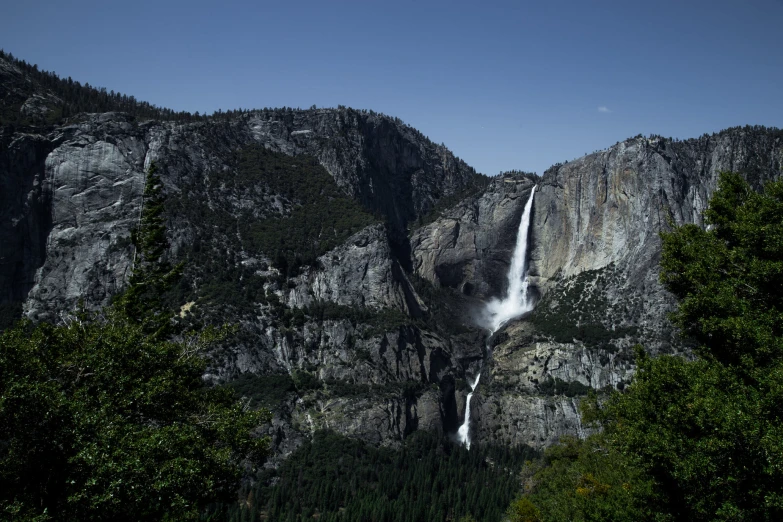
[(152, 276)]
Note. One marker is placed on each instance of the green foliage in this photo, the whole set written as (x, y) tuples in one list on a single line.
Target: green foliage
[(73, 97), (386, 320), (267, 391), (558, 386), (709, 431), (100, 421), (729, 279), (106, 418), (335, 478), (322, 216), (305, 381), (523, 510), (585, 481), (379, 320), (711, 442), (344, 389)]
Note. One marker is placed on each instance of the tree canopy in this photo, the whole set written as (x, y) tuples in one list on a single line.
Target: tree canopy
[(152, 275)]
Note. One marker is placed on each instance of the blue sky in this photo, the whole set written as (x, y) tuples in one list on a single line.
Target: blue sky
[(505, 85)]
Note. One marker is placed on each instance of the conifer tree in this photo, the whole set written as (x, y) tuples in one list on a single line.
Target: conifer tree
[(152, 275)]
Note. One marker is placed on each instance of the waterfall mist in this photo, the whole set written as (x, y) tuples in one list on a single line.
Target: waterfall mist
[(500, 311)]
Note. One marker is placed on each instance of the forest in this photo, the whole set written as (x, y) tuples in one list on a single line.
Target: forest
[(336, 478)]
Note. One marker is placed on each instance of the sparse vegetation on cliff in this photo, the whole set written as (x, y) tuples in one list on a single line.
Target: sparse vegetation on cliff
[(321, 216), (581, 312)]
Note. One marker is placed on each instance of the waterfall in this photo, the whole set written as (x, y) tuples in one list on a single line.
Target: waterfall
[(462, 433), (513, 305), (516, 301)]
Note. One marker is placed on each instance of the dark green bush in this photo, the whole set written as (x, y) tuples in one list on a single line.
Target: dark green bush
[(558, 386)]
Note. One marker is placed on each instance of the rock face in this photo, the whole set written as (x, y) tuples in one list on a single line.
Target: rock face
[(362, 272), (72, 192), (380, 333), (608, 208), (89, 178), (469, 247), (594, 256)]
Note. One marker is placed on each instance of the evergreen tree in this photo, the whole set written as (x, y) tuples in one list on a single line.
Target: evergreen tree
[(152, 276)]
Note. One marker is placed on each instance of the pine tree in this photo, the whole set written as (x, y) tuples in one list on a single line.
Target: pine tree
[(152, 276)]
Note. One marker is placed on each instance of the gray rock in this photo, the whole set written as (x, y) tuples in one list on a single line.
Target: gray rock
[(70, 194), (594, 241)]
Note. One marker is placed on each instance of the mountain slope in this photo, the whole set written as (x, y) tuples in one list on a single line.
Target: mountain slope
[(355, 254)]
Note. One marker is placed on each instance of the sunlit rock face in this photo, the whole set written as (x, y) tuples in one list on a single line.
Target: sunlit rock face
[(604, 212), (593, 265)]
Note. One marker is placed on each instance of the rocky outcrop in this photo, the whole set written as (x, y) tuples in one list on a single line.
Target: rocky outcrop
[(93, 174), (96, 181), (362, 272), (388, 166), (72, 192), (607, 209)]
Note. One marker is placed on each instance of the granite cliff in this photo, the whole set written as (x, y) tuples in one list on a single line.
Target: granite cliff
[(593, 262), (368, 324)]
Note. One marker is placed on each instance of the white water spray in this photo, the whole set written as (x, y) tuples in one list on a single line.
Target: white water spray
[(516, 303)]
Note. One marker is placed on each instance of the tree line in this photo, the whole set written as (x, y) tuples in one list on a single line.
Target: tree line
[(335, 478)]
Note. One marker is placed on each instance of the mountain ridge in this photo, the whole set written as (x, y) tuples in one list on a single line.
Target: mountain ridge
[(380, 332)]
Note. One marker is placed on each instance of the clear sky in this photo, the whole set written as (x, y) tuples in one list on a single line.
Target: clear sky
[(505, 85)]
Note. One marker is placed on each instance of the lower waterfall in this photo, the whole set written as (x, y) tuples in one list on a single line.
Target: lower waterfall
[(515, 303), (462, 433)]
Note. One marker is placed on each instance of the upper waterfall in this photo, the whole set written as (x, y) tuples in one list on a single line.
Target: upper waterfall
[(516, 302)]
